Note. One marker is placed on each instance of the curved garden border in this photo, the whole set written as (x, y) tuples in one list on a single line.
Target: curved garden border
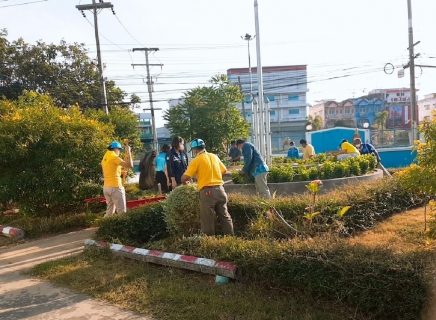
[(289, 188)]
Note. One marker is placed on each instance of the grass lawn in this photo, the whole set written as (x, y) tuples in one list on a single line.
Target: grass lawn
[(166, 293)]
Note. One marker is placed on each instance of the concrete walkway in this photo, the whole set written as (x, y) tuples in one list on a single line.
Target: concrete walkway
[(24, 297)]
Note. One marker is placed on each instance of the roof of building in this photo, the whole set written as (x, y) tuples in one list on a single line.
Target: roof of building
[(267, 69)]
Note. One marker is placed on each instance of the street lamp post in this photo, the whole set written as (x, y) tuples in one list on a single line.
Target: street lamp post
[(254, 122), (262, 119)]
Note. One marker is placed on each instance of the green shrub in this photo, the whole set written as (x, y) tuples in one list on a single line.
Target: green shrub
[(313, 173), (182, 211), (237, 179), (375, 281), (303, 173), (327, 170), (49, 155), (136, 227), (44, 226), (284, 173)]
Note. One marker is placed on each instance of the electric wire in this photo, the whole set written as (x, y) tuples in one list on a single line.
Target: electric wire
[(22, 4)]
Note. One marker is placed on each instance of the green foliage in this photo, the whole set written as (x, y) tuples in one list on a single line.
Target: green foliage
[(310, 170), (327, 170), (124, 122), (209, 113), (136, 227), (315, 122), (45, 226), (381, 119), (49, 156), (182, 210), (303, 173), (279, 174), (375, 281), (237, 179), (65, 71)]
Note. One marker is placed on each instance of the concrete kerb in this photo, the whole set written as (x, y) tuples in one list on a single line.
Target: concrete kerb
[(11, 232), (175, 260)]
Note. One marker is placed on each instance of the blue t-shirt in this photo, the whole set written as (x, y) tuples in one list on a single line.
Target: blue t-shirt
[(161, 162), (293, 153), (367, 149), (260, 169)]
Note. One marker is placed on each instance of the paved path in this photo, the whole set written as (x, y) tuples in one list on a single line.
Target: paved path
[(24, 297)]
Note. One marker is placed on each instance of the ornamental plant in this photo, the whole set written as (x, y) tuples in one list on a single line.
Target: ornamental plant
[(182, 211), (313, 188), (49, 156)]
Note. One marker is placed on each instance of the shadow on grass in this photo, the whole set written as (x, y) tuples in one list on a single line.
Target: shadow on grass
[(167, 293)]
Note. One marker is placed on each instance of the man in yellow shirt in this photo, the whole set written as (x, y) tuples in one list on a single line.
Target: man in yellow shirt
[(113, 189), (347, 150), (308, 149), (213, 198)]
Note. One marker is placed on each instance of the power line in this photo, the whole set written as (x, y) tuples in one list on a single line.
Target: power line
[(22, 4)]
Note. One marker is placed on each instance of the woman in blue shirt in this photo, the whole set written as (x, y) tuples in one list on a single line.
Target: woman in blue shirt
[(161, 169), (177, 161)]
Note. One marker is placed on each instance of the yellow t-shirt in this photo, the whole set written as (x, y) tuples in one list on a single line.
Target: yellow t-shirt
[(111, 169), (308, 151), (208, 168), (349, 147)]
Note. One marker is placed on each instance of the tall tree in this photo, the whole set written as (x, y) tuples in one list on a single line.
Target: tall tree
[(65, 71), (381, 119), (209, 113), (315, 122)]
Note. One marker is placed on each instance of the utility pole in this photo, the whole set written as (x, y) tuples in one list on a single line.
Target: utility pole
[(150, 90), (243, 101), (412, 72), (94, 6), (254, 114)]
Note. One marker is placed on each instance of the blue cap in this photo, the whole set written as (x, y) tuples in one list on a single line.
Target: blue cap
[(197, 143), (115, 145)]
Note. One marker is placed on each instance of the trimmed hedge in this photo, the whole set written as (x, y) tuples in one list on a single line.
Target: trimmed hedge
[(310, 170), (377, 282), (43, 226), (137, 226), (370, 202)]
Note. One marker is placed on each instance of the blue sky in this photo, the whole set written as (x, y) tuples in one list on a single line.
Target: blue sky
[(352, 40)]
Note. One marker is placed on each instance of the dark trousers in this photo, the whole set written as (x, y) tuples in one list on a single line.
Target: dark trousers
[(162, 179), (214, 200)]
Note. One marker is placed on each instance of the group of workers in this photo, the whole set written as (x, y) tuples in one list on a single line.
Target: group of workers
[(347, 150), (172, 170)]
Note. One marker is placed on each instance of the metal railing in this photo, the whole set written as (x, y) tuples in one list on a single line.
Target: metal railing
[(391, 138)]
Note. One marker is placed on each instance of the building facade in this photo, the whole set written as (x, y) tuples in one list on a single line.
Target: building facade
[(397, 102), (426, 106), (333, 113), (285, 87)]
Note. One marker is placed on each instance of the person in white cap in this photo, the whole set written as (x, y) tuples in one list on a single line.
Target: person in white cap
[(113, 189)]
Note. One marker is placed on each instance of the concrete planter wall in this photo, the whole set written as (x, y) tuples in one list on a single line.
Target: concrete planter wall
[(289, 188)]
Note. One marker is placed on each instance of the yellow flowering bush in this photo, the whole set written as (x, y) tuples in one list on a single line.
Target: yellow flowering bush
[(49, 156)]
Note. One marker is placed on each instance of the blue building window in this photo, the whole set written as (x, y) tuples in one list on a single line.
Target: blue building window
[(294, 111), (294, 98), (247, 99), (272, 113), (271, 98), (248, 114)]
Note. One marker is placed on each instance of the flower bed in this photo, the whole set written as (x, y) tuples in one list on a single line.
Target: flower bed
[(310, 170)]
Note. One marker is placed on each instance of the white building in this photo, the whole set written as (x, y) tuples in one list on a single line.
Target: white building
[(286, 89), (426, 106)]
